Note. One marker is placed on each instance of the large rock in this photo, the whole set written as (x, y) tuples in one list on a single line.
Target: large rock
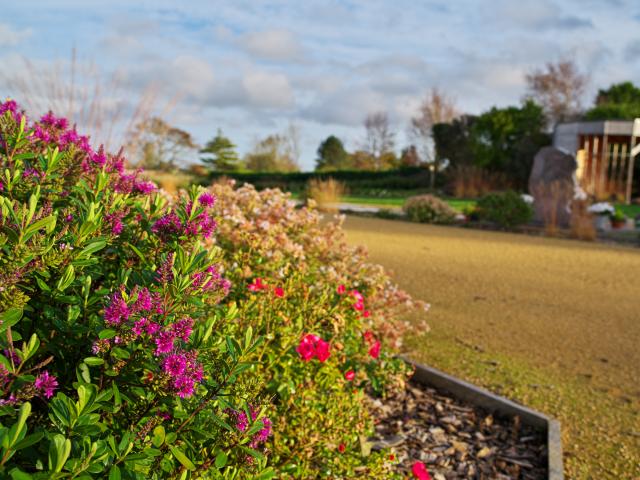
[(553, 185)]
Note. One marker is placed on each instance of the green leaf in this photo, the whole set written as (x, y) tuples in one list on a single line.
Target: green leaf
[(221, 460), (247, 337), (93, 247), (93, 361), (158, 436), (19, 426), (9, 318), (47, 223), (19, 475), (67, 278), (107, 333), (182, 458), (59, 450), (28, 441), (114, 473), (30, 349)]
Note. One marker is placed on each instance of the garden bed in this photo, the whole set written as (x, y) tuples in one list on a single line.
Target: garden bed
[(459, 437)]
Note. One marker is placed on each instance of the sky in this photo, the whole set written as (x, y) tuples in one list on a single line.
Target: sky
[(252, 68)]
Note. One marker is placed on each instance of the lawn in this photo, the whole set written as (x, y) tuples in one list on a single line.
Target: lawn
[(550, 323)]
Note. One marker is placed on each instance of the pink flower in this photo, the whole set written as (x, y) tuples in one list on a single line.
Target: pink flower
[(174, 365), (350, 375), (164, 342), (117, 311), (359, 306), (341, 289), (256, 285), (420, 471), (184, 386), (140, 326), (278, 292), (207, 199), (357, 295), (46, 383), (366, 314), (183, 328), (374, 351)]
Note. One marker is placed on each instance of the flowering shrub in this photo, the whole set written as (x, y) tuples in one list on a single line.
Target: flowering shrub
[(154, 337), (507, 209), (428, 209)]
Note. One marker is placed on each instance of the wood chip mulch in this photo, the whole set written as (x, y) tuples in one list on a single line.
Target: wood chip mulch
[(456, 440)]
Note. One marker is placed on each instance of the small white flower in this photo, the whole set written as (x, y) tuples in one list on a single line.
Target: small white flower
[(527, 198), (602, 208)]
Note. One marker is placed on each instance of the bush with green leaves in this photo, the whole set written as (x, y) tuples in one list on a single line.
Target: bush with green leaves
[(428, 209), (139, 343), (507, 209)]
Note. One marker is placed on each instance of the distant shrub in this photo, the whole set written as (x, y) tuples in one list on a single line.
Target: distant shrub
[(507, 209), (428, 209), (326, 193)]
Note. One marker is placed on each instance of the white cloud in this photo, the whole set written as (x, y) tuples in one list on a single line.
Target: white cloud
[(10, 37), (268, 90), (277, 45)]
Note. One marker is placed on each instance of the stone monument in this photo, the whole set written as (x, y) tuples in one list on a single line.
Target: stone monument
[(554, 185)]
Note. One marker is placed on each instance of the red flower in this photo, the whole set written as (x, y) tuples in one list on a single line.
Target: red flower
[(322, 350), (374, 351), (313, 346), (392, 457), (278, 292), (341, 289), (420, 471), (359, 306), (350, 375), (256, 285), (366, 314), (306, 348), (341, 448)]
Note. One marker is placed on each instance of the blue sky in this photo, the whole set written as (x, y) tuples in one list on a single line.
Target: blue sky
[(251, 68)]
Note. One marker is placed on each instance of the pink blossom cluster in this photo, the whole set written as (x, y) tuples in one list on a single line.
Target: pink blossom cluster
[(51, 129), (202, 224), (242, 422), (313, 346), (210, 280), (46, 384), (135, 316)]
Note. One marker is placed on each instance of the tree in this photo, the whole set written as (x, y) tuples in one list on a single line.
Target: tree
[(452, 141), (379, 139), (409, 157), (558, 88), (435, 108), (620, 101), (221, 154), (506, 140), (271, 155), (361, 160), (332, 155), (156, 145)]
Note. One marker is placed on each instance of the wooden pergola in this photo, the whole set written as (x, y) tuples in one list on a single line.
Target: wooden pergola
[(605, 152)]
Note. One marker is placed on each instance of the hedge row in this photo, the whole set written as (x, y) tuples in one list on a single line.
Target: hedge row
[(412, 178)]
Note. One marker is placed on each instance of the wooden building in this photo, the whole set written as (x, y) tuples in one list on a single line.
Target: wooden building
[(606, 153)]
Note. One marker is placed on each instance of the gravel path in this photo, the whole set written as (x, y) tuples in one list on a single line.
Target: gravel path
[(456, 440)]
